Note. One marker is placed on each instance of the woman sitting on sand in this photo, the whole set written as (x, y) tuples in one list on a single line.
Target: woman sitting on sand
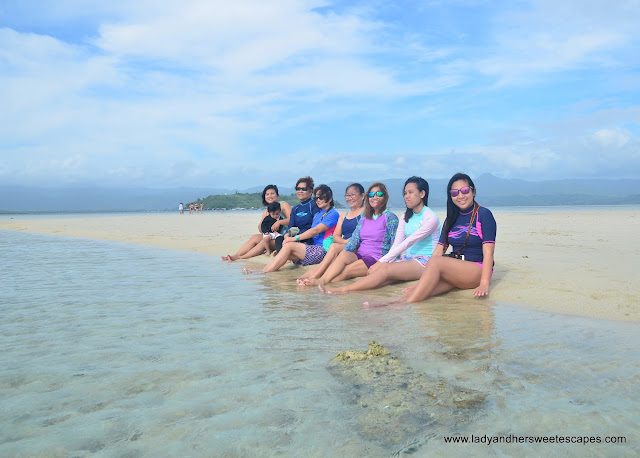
[(471, 230), (354, 197), (254, 246), (322, 227), (416, 239), (370, 241)]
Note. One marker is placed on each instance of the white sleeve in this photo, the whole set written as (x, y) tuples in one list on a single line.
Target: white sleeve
[(428, 226), (394, 251)]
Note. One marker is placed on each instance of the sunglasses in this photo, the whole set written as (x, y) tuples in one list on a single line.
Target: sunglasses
[(377, 193), (300, 188), (323, 198), (464, 190)]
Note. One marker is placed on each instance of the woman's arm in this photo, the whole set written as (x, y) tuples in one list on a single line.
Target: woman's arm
[(285, 209), (337, 234), (487, 269), (308, 234), (264, 213), (395, 251), (390, 231), (438, 251), (354, 242), (429, 225)]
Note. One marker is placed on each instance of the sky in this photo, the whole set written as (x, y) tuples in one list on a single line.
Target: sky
[(238, 94)]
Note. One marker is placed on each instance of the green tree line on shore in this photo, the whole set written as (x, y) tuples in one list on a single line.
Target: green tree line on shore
[(242, 201)]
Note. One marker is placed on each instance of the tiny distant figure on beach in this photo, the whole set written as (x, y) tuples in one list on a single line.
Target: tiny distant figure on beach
[(181, 208), (201, 207), (190, 208)]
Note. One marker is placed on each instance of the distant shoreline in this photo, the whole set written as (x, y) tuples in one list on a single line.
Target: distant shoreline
[(168, 211)]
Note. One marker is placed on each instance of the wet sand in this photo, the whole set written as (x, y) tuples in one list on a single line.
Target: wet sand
[(566, 260)]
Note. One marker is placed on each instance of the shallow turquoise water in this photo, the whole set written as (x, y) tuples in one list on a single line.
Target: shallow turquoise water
[(111, 349)]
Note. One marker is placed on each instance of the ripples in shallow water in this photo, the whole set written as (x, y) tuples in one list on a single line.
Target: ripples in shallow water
[(117, 349)]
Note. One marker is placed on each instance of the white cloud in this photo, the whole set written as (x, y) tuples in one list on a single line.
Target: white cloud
[(556, 36), (616, 138), (186, 93)]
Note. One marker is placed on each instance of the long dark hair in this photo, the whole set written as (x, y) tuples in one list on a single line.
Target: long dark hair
[(264, 192), (422, 185), (452, 209), (368, 211)]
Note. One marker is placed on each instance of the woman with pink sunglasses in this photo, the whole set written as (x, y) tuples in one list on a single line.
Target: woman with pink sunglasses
[(471, 232)]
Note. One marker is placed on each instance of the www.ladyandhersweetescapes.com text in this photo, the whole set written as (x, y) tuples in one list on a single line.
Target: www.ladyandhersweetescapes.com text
[(513, 439)]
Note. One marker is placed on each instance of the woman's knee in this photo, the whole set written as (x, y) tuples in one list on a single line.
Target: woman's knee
[(287, 247), (436, 262), (346, 256), (335, 248)]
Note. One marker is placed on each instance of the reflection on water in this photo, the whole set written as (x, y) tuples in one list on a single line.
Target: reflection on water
[(115, 349)]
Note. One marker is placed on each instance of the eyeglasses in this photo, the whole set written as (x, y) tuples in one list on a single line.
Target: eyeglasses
[(377, 193), (351, 196), (464, 190), (300, 188), (323, 198)]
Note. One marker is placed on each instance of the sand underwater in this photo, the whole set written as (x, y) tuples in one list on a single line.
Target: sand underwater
[(114, 348)]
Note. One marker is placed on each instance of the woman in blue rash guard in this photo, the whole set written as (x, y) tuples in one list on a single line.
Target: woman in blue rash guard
[(302, 214), (321, 230), (354, 197)]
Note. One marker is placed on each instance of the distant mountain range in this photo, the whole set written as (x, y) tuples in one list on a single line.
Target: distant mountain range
[(491, 191)]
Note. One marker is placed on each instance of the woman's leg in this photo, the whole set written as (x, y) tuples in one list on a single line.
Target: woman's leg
[(253, 252), (386, 274), (248, 245), (442, 274), (293, 251), (353, 270), (319, 269), (337, 266)]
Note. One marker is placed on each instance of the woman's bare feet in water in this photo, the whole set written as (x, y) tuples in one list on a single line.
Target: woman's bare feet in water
[(328, 291), (251, 272), (408, 289), (306, 281), (402, 300), (225, 257)]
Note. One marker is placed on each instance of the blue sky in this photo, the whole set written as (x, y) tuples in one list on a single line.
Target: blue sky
[(244, 93)]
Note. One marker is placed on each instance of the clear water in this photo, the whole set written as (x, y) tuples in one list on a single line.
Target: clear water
[(110, 349)]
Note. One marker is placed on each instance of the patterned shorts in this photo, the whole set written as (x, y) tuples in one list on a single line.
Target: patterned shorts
[(408, 257), (314, 254)]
